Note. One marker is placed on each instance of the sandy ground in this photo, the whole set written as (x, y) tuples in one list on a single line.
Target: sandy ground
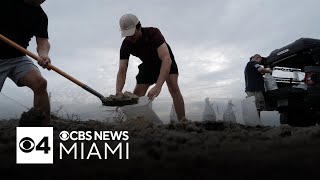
[(194, 150)]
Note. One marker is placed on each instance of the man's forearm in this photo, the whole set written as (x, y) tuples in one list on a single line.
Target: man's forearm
[(164, 72), (120, 82), (266, 70), (43, 48)]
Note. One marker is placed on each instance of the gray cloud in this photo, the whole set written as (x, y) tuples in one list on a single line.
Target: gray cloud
[(212, 41)]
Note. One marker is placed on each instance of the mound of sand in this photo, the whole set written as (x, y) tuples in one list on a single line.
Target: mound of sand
[(191, 150)]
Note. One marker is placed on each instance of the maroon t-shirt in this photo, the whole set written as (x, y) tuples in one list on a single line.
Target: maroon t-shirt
[(146, 48)]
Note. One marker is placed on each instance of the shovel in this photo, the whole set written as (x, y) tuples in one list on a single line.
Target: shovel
[(84, 86)]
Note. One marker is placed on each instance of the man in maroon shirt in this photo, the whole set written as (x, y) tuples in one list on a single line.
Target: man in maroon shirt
[(158, 64)]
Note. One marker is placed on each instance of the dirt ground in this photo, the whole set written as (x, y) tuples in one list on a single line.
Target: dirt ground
[(191, 150)]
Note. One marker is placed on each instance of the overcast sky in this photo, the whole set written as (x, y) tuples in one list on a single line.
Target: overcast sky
[(211, 40)]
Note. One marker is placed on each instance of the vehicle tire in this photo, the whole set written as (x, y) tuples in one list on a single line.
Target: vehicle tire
[(317, 117), (300, 118), (284, 118), (313, 118), (292, 118)]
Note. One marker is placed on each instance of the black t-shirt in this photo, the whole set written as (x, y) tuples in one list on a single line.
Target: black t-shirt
[(253, 78), (146, 48), (20, 22)]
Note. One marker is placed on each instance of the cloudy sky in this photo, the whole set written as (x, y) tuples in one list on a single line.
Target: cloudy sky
[(211, 40)]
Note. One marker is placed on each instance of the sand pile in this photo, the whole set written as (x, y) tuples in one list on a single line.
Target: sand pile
[(126, 98), (191, 150)]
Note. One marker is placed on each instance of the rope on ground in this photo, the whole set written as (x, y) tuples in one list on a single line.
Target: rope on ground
[(15, 101)]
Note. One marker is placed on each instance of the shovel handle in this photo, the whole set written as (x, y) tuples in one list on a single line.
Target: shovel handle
[(37, 58), (50, 66)]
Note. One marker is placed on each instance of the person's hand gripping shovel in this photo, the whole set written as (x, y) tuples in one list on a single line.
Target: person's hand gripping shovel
[(49, 66)]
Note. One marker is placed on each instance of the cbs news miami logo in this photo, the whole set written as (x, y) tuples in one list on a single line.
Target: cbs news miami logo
[(34, 145)]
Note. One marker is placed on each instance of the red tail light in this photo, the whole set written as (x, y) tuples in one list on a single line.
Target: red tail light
[(312, 75), (309, 78)]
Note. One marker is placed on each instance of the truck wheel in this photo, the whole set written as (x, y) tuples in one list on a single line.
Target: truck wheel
[(317, 116), (300, 118), (290, 117), (284, 118)]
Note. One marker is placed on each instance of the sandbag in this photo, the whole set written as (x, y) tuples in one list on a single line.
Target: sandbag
[(173, 115), (229, 114), (270, 83), (142, 109), (250, 113), (208, 114)]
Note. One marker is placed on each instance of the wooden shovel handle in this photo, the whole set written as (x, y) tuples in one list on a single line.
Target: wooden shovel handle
[(50, 66), (37, 58)]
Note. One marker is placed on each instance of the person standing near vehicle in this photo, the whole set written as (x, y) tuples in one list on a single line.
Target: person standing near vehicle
[(20, 21), (158, 63), (254, 81)]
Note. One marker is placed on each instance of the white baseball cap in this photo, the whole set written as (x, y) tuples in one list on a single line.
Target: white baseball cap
[(128, 24)]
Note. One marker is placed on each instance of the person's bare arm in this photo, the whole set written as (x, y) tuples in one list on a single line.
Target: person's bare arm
[(121, 75), (264, 70), (164, 55), (43, 48)]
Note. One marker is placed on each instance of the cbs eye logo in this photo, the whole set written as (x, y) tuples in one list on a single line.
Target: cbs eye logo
[(64, 135), (27, 145), (34, 145)]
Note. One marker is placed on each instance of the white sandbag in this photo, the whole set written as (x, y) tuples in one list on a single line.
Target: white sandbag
[(173, 115), (142, 109), (270, 83), (208, 114), (229, 114), (250, 113), (270, 118)]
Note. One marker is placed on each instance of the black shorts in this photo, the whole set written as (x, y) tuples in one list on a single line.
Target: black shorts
[(149, 74)]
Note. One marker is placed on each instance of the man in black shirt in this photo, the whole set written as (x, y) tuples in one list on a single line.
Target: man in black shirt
[(254, 81), (158, 63), (20, 21)]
